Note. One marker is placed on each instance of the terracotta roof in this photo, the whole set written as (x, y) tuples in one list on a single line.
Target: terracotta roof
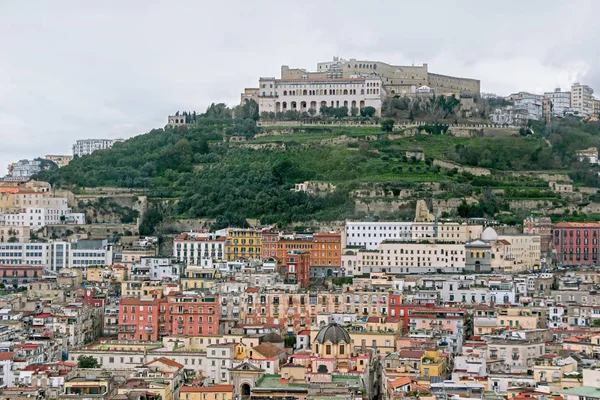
[(411, 353), (373, 319), (207, 389), (400, 382), (267, 350), (166, 361), (7, 355), (252, 290)]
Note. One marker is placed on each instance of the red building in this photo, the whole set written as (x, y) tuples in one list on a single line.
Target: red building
[(20, 272), (397, 309), (576, 243), (297, 267), (150, 320), (192, 314), (91, 298), (139, 319)]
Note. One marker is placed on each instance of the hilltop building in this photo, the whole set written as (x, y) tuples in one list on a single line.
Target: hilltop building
[(88, 146), (351, 83)]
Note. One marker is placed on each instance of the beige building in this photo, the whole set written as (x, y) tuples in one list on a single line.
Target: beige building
[(399, 257), (582, 100), (517, 318), (397, 79), (59, 160), (515, 353), (355, 92)]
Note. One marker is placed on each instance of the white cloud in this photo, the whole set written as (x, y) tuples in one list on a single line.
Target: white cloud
[(72, 70)]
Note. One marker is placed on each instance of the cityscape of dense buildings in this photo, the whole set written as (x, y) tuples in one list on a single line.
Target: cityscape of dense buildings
[(442, 305)]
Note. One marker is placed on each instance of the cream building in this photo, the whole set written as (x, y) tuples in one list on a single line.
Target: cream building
[(396, 79), (281, 95), (398, 257), (582, 99)]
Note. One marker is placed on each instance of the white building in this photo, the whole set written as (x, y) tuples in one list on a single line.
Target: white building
[(88, 146), (561, 102), (196, 248), (25, 168), (47, 211), (370, 234), (509, 116), (161, 268), (281, 95), (582, 100), (57, 255), (530, 103)]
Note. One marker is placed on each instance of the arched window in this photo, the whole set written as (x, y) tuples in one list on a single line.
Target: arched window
[(293, 105), (284, 105), (285, 92), (362, 91), (342, 349), (345, 91), (303, 105), (328, 349), (304, 92)]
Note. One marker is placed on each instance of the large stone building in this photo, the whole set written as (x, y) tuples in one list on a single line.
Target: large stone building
[(356, 92), (396, 79), (351, 83)]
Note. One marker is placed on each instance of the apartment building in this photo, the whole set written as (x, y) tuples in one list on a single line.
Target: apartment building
[(324, 247), (561, 102), (56, 255), (369, 235), (88, 146), (576, 243), (582, 100), (199, 248), (243, 244), (402, 257)]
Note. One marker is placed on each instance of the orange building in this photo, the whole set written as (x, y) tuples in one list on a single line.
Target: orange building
[(325, 248)]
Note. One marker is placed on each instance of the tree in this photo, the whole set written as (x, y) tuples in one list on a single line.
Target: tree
[(387, 125), (87, 362), (368, 111)]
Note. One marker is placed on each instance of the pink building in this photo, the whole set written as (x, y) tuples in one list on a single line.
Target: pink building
[(576, 243)]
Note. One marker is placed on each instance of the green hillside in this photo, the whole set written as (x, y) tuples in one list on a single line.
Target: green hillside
[(207, 175)]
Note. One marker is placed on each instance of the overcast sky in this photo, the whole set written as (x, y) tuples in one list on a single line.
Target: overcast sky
[(106, 69)]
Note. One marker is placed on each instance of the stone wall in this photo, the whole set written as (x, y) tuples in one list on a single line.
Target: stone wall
[(460, 168)]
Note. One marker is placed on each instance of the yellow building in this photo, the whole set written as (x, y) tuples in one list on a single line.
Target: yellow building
[(196, 277), (96, 384), (243, 244), (556, 374), (133, 255), (141, 289), (433, 364), (383, 341), (518, 318), (215, 392)]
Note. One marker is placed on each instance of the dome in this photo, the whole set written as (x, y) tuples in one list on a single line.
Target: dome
[(333, 333), (489, 234), (272, 338)]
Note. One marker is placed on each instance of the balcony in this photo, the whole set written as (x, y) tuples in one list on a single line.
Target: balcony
[(126, 329)]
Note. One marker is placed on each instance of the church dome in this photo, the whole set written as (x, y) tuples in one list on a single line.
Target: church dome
[(333, 333), (489, 234), (272, 338)]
